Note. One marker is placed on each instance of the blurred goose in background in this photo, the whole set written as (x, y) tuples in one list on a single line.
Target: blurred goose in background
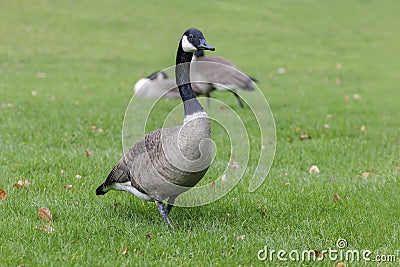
[(156, 85), (169, 161), (224, 75)]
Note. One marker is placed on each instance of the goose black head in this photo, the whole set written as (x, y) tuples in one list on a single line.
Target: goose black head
[(193, 40)]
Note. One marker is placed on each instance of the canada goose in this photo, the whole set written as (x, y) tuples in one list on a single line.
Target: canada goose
[(156, 85), (221, 76), (169, 161)]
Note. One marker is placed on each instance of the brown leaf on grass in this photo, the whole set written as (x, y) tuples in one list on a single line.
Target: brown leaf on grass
[(336, 197), (229, 216), (341, 264), (46, 228), (62, 172), (149, 236), (240, 237), (304, 137), (223, 178), (234, 164), (45, 214), (140, 253), (263, 211), (314, 170), (212, 185), (3, 194), (363, 129), (366, 174), (287, 183), (68, 186), (126, 250), (78, 176), (7, 105), (87, 153), (21, 183), (42, 75)]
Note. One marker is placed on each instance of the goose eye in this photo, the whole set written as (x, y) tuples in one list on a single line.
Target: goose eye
[(191, 36)]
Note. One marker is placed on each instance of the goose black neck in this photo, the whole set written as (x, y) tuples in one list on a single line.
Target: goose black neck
[(182, 73)]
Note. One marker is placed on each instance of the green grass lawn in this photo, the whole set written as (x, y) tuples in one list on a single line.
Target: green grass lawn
[(67, 67)]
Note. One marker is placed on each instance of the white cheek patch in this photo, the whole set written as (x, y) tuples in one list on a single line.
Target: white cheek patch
[(139, 84), (187, 46)]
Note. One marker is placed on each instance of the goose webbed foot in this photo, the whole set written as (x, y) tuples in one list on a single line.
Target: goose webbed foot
[(164, 212)]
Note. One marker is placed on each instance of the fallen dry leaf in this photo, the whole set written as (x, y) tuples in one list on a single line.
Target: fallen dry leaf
[(229, 216), (263, 211), (287, 183), (7, 105), (62, 172), (223, 178), (240, 237), (336, 197), (282, 70), (326, 126), (212, 185), (356, 97), (341, 264), (34, 93), (234, 164), (126, 250), (78, 176), (3, 194), (87, 153), (363, 129), (68, 186), (329, 116), (140, 253), (21, 183), (304, 137), (149, 236), (297, 129), (366, 174), (45, 214), (46, 228), (314, 170), (42, 75)]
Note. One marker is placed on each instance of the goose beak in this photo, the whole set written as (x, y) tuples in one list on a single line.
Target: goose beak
[(205, 46)]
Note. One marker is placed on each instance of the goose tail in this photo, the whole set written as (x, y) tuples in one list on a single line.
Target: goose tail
[(101, 190)]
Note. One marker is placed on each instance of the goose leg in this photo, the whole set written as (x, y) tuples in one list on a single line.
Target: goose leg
[(238, 98), (171, 201), (164, 213), (208, 99)]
